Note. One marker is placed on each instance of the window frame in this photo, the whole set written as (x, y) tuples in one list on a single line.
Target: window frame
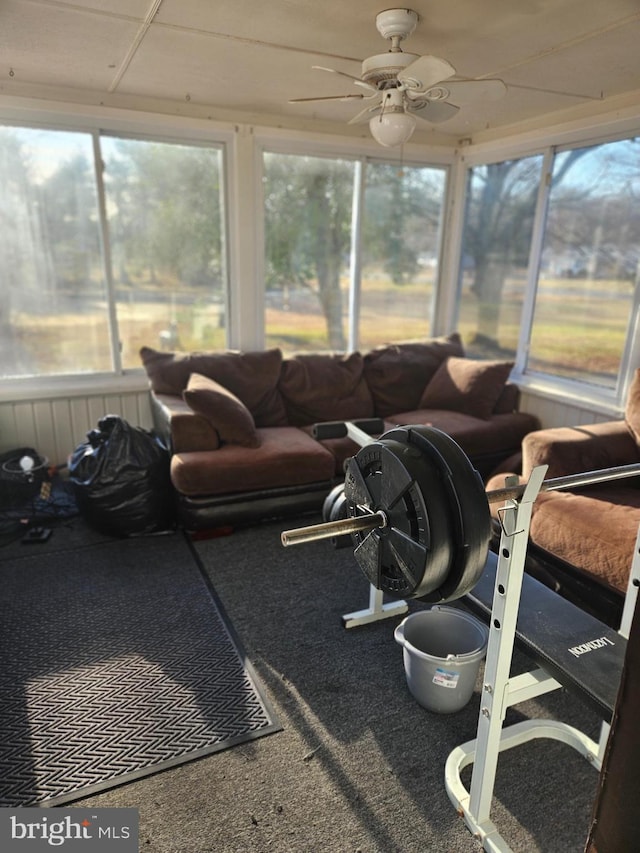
[(608, 402)]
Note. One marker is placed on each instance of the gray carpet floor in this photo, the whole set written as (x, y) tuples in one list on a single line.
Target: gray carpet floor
[(116, 664), (359, 765)]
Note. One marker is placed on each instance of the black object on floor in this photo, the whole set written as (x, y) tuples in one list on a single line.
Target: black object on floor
[(117, 662)]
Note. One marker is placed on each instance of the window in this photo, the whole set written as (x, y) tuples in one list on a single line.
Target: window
[(307, 239), (71, 305), (53, 296), (401, 224), (167, 246), (589, 265), (501, 204), (333, 284), (573, 313)]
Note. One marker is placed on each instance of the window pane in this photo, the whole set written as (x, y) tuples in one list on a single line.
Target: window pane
[(53, 310), (589, 264), (307, 241), (400, 244), (501, 201), (166, 238)]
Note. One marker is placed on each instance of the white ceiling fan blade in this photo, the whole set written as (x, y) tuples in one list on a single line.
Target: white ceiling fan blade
[(365, 114), (557, 92), (433, 111), (463, 92), (425, 72), (355, 80), (327, 98)]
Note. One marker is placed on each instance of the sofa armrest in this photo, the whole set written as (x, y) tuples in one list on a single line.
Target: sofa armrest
[(574, 450), (180, 427)]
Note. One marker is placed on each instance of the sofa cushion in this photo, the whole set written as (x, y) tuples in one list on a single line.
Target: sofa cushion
[(508, 401), (467, 385), (286, 457), (225, 412), (320, 387), (574, 450), (476, 436), (397, 373), (343, 449), (594, 530), (632, 408), (251, 376)]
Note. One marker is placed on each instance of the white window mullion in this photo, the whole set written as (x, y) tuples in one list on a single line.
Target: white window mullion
[(355, 265), (445, 306), (114, 336), (533, 268)]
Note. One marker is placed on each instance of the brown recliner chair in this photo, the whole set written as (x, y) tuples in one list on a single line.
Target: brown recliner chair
[(583, 540)]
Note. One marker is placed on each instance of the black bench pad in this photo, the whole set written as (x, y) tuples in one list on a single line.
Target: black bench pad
[(579, 651)]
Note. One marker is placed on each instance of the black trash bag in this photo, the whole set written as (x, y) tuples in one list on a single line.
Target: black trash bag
[(121, 480)]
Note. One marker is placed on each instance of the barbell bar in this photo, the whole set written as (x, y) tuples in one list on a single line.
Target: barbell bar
[(370, 521), (329, 529), (419, 515)]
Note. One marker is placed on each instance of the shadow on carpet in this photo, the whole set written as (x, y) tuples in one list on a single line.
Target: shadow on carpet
[(117, 662)]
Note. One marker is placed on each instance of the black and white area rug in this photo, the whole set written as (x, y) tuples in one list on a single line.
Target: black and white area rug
[(116, 662)]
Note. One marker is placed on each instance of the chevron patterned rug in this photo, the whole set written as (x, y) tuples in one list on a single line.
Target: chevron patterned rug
[(117, 663)]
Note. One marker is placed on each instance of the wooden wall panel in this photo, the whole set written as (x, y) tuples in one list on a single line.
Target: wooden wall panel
[(56, 427)]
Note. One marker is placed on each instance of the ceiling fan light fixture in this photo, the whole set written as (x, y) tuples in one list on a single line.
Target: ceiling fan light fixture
[(392, 127)]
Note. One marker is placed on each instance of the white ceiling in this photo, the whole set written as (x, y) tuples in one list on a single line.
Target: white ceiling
[(243, 59)]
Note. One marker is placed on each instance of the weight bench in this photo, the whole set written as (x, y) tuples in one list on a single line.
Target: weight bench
[(572, 648), (580, 652)]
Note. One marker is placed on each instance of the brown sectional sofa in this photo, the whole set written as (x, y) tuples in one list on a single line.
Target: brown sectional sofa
[(240, 424), (583, 540)]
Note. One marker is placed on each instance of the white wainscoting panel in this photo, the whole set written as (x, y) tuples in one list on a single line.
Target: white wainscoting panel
[(560, 413), (55, 427)]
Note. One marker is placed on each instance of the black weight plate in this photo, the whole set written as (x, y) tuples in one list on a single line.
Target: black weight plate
[(330, 500), (471, 518), (411, 556), (339, 508)]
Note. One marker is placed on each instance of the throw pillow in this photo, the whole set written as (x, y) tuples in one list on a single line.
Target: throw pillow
[(466, 385), (632, 407), (222, 409)]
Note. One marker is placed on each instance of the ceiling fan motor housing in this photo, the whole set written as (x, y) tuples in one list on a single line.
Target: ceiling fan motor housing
[(396, 23), (386, 66)]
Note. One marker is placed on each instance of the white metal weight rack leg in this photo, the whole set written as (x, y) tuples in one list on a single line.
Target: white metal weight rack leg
[(377, 609), (500, 691)]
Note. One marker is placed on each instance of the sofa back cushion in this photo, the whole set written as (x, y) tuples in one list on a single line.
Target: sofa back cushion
[(397, 373), (467, 385), (320, 387), (251, 376), (224, 411), (508, 401)]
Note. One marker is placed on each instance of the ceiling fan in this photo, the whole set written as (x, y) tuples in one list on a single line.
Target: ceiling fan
[(405, 87)]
